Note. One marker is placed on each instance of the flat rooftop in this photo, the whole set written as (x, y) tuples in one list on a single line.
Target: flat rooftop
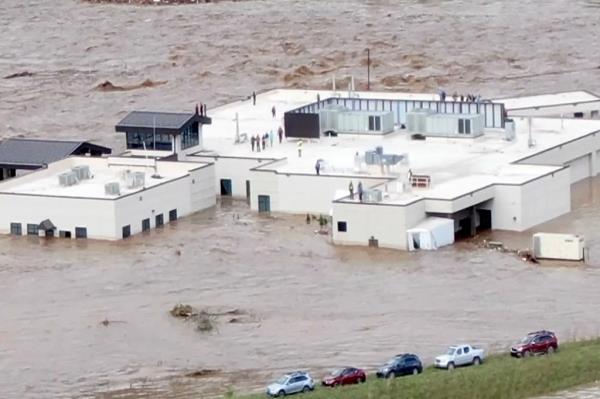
[(456, 166), (548, 100), (45, 182)]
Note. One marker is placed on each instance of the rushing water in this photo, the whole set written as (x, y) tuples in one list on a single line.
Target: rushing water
[(307, 304)]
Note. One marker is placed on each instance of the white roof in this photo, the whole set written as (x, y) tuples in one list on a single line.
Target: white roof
[(546, 100), (456, 166), (103, 171)]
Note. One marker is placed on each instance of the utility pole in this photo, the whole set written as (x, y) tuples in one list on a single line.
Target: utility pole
[(368, 69)]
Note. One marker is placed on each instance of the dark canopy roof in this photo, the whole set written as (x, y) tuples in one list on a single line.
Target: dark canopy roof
[(161, 122), (34, 154), (47, 224)]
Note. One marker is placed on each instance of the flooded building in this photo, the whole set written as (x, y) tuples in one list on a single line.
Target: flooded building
[(104, 198), (481, 164)]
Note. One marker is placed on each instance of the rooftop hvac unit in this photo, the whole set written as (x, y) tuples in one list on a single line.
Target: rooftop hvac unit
[(509, 128), (112, 188), (135, 179), (67, 179), (416, 120), (372, 196), (81, 171)]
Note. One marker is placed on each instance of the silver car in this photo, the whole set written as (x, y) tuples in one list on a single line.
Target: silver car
[(291, 383)]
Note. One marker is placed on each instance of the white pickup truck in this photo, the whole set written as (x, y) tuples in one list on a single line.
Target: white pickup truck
[(460, 355)]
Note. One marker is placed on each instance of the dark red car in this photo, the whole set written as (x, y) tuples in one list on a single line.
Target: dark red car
[(535, 343), (345, 376)]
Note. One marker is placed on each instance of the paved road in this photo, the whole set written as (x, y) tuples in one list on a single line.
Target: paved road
[(589, 392)]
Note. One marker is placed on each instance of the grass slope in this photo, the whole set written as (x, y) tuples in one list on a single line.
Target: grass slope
[(499, 377)]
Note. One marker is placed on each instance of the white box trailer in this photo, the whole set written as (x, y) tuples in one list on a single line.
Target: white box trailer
[(432, 233), (558, 246)]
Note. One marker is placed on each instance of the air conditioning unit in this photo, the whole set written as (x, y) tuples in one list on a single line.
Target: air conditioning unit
[(112, 188), (135, 179), (372, 196), (82, 172), (67, 179)]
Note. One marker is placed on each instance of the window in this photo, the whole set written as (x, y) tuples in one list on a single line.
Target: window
[(156, 141), (190, 136), (126, 231), (64, 234), (33, 229), (159, 220), (15, 229), (467, 126), (172, 215), (342, 227), (145, 224), (459, 352), (80, 232), (466, 350)]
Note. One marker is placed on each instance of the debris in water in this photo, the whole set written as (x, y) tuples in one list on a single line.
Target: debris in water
[(108, 86), (202, 373), (184, 311), (23, 74)]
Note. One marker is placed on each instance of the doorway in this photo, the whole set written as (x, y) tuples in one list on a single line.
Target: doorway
[(248, 190), (264, 203), (226, 187), (485, 219)]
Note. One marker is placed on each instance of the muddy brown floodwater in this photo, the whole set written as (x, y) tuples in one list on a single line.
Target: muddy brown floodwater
[(73, 69)]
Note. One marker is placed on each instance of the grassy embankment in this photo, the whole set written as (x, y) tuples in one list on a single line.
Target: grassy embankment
[(501, 376)]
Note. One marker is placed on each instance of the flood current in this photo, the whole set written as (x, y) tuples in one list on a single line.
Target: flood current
[(299, 302)]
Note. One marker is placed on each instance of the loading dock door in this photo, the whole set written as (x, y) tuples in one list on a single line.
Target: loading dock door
[(264, 203), (226, 187)]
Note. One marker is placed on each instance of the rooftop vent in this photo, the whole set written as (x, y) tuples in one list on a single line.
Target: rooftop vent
[(112, 188), (82, 172), (67, 179)]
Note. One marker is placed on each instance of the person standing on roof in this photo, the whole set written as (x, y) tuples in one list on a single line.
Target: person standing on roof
[(252, 141), (264, 141), (257, 143), (351, 189), (318, 167), (300, 148), (280, 134), (360, 191), (273, 112), (253, 98)]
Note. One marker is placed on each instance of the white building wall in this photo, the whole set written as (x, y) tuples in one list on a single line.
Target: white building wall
[(303, 193), (233, 168), (579, 154), (520, 207), (386, 223), (97, 215), (545, 198)]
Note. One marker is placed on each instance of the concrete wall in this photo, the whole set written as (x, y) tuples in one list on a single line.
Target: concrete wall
[(386, 223), (520, 207)]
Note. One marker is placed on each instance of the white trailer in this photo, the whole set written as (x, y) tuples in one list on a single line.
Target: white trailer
[(558, 246)]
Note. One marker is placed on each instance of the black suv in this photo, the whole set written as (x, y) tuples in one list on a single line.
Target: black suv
[(403, 364)]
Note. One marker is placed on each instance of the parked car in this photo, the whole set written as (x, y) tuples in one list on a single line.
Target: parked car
[(403, 364), (460, 355), (535, 343), (291, 383), (345, 376)]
